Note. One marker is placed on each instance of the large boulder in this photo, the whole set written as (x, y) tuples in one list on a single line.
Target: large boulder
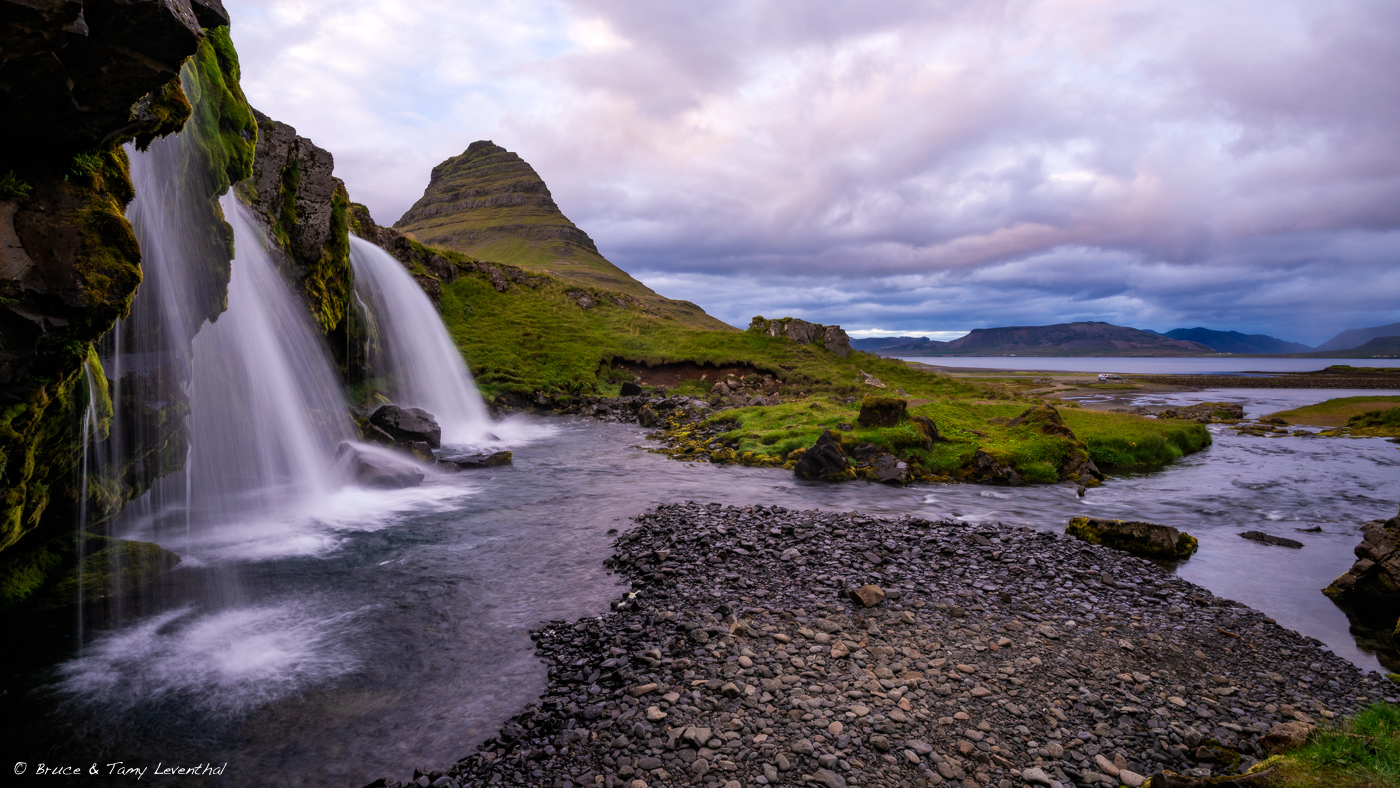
[(372, 466), (881, 411), (407, 425), (1371, 588), (824, 459), (1145, 540)]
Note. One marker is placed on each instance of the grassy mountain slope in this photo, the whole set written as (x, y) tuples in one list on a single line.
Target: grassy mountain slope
[(491, 204)]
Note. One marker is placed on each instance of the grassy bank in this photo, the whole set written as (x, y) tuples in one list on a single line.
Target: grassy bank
[(1363, 752), (1363, 416), (535, 338)]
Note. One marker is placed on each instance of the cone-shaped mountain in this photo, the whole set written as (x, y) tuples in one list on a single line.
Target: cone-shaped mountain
[(491, 204)]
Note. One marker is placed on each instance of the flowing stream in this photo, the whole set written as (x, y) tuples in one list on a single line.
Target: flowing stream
[(397, 637)]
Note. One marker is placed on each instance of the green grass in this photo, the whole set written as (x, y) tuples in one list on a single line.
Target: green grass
[(527, 340), (1363, 751), (1377, 416)]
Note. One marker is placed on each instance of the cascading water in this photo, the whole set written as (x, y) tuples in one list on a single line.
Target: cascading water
[(265, 404), (415, 352)]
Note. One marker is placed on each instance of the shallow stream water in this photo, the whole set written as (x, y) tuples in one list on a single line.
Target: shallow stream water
[(382, 631)]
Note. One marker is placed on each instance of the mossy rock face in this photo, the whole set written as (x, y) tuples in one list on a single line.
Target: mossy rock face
[(114, 567), (1142, 539), (308, 211), (72, 266), (881, 411)]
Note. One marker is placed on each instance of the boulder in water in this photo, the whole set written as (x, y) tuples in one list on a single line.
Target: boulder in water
[(462, 462), (1278, 541), (1146, 540), (372, 466), (824, 459), (407, 425)]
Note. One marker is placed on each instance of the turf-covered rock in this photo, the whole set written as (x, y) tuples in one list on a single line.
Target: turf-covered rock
[(881, 411), (1146, 540)]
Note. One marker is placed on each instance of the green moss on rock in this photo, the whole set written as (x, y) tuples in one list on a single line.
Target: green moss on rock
[(1146, 540)]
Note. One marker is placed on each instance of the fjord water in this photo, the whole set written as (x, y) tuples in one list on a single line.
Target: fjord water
[(405, 641), (414, 352), (1190, 365)]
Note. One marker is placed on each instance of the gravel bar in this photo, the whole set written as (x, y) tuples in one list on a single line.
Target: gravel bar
[(999, 656)]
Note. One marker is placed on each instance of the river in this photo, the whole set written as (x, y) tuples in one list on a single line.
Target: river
[(385, 631)]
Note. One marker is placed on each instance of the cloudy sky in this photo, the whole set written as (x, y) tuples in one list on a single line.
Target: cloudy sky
[(898, 167)]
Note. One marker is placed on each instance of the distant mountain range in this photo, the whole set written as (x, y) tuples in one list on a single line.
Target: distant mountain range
[(1106, 339), (1075, 339), (1356, 337), (1235, 342)]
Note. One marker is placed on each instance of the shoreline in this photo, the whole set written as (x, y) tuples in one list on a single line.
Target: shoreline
[(739, 658)]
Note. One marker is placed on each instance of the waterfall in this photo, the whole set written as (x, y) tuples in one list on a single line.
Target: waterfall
[(415, 351), (265, 403), (264, 415)]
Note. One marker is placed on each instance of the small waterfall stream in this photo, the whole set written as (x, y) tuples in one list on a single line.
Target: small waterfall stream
[(415, 351)]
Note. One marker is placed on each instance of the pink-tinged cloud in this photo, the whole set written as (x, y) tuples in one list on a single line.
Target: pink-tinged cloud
[(1233, 164)]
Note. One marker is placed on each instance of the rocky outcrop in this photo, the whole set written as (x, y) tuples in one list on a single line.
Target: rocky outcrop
[(833, 338), (77, 81), (71, 70), (1370, 590), (307, 209), (1145, 540)]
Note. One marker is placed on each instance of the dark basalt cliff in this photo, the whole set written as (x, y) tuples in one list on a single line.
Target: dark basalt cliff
[(490, 204), (306, 209), (78, 80)]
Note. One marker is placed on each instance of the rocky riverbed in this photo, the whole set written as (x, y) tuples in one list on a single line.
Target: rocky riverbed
[(989, 655)]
